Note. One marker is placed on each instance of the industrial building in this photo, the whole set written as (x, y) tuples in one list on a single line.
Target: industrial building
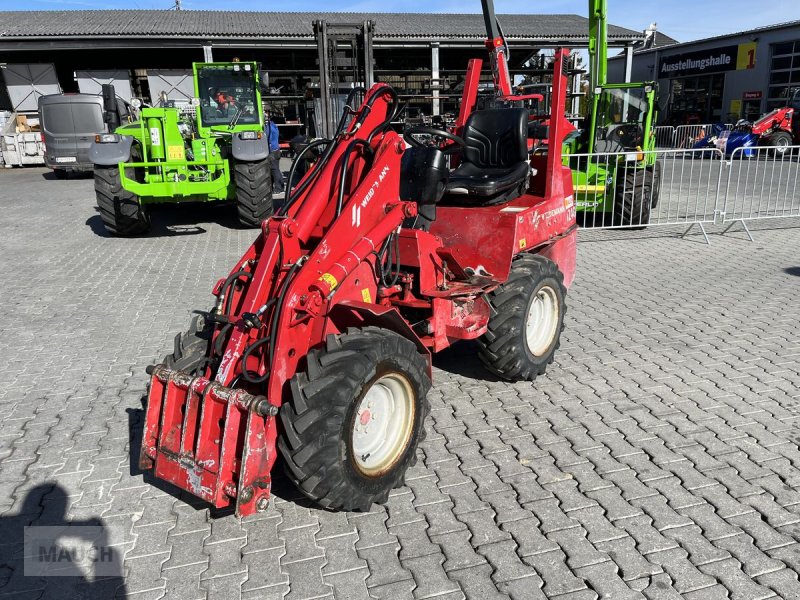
[(719, 79), (423, 55)]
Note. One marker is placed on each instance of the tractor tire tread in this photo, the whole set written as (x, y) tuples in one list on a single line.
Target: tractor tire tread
[(633, 199), (191, 347), (253, 192), (120, 210), (502, 348), (314, 421)]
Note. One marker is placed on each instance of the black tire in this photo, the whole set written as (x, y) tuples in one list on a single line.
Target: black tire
[(779, 142), (191, 348), (633, 197), (253, 192), (656, 169), (504, 348), (316, 440), (120, 209)]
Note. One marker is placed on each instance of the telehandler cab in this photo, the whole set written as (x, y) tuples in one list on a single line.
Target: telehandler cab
[(318, 347)]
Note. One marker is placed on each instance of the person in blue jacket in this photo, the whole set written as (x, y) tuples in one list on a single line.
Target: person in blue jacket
[(274, 150)]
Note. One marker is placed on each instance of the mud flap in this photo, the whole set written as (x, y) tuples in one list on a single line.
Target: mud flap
[(215, 442)]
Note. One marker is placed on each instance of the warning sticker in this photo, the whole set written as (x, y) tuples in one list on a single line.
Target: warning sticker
[(175, 152), (330, 280), (366, 296), (523, 243)]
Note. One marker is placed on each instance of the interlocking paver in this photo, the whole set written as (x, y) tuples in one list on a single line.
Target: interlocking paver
[(657, 458)]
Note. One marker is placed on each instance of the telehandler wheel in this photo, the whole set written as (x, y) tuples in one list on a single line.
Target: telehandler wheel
[(633, 198), (779, 142), (253, 192), (191, 348), (656, 185), (120, 209), (355, 419), (528, 317)]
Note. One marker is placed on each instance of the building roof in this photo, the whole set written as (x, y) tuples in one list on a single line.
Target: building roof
[(283, 25), (661, 45)]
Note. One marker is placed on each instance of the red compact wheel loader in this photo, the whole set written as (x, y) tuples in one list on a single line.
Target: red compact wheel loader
[(780, 128), (318, 347)]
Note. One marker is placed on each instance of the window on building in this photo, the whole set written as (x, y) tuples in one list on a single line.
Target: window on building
[(696, 100), (784, 73)]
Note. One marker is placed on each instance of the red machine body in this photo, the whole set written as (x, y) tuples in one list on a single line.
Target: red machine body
[(781, 127), (778, 119), (311, 273)]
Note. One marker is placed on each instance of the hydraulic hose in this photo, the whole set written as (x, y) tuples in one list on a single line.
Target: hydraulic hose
[(228, 283), (290, 196), (343, 173), (249, 376)]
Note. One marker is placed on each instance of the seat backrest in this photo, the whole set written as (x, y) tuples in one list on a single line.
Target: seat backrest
[(496, 137)]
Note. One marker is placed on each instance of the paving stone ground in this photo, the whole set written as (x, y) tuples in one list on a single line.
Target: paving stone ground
[(658, 458)]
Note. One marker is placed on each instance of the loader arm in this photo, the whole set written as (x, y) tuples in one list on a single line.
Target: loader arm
[(292, 272), (598, 44), (498, 50)]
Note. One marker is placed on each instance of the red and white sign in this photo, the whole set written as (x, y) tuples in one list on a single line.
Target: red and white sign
[(753, 95)]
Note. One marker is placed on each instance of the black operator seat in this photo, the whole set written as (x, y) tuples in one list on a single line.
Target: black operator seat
[(494, 163)]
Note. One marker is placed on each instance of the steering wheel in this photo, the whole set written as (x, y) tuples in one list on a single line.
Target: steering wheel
[(629, 135), (433, 132)]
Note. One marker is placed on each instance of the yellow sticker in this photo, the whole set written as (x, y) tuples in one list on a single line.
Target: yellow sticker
[(330, 280), (175, 152), (366, 296), (522, 243), (746, 57)]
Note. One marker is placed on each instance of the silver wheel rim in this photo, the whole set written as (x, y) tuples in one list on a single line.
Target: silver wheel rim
[(383, 424), (541, 323)]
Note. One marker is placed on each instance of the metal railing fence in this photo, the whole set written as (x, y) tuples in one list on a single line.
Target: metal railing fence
[(693, 187)]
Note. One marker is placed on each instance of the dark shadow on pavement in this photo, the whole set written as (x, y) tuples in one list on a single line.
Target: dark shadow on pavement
[(176, 220), (792, 271), (462, 359), (96, 575), (52, 176)]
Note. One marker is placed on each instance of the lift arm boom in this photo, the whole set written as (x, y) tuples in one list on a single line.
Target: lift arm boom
[(598, 44), (498, 52)]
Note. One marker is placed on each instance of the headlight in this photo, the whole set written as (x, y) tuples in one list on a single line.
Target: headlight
[(250, 135), (107, 138)]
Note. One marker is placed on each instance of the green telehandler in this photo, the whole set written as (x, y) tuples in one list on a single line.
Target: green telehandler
[(620, 184), (215, 149)]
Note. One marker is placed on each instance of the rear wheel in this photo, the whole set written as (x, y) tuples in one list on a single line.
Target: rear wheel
[(633, 197), (253, 192), (528, 310), (355, 419), (120, 209), (780, 141)]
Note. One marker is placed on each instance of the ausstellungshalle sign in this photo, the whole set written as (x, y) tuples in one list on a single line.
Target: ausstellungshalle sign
[(715, 60)]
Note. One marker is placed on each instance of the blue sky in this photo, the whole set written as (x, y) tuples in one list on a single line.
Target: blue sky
[(682, 19)]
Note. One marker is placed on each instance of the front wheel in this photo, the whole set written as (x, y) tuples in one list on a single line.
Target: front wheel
[(120, 209), (528, 310), (253, 192), (355, 418), (656, 185), (633, 197), (779, 142)]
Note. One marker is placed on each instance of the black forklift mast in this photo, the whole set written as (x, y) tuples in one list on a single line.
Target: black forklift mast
[(345, 60), (490, 20)]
